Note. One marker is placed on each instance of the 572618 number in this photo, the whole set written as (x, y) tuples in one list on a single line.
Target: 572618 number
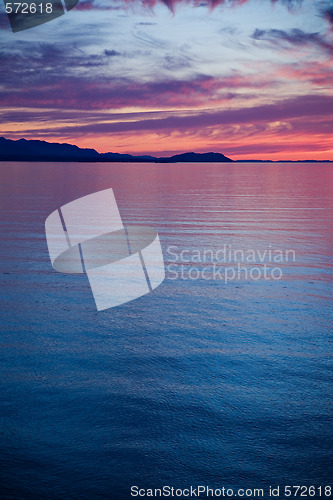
[(307, 491), (28, 8)]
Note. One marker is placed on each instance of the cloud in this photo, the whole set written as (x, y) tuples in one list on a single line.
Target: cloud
[(299, 112), (111, 53), (114, 93), (328, 14), (293, 37), (319, 73), (173, 63), (289, 3), (171, 4), (42, 63), (259, 150), (93, 5)]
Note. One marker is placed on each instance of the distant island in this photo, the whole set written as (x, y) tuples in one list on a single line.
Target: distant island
[(35, 150)]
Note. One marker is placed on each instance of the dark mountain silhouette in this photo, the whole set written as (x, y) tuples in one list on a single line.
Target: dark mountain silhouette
[(32, 150), (23, 150), (197, 157)]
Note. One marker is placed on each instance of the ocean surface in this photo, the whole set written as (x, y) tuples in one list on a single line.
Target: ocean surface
[(203, 381)]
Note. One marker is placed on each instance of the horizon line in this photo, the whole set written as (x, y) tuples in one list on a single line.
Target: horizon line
[(153, 156)]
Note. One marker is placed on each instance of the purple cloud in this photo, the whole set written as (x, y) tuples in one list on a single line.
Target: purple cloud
[(293, 37), (328, 14), (299, 110)]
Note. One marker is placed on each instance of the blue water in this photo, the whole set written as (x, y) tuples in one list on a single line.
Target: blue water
[(200, 382)]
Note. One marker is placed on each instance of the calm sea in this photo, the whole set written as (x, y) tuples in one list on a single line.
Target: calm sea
[(202, 381)]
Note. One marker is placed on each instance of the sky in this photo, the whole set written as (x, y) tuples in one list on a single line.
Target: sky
[(252, 79)]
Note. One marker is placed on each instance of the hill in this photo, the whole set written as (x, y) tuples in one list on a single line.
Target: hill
[(197, 157)]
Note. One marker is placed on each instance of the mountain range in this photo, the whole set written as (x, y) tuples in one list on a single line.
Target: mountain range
[(34, 150)]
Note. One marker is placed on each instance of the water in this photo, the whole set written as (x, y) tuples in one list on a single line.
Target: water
[(201, 382)]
